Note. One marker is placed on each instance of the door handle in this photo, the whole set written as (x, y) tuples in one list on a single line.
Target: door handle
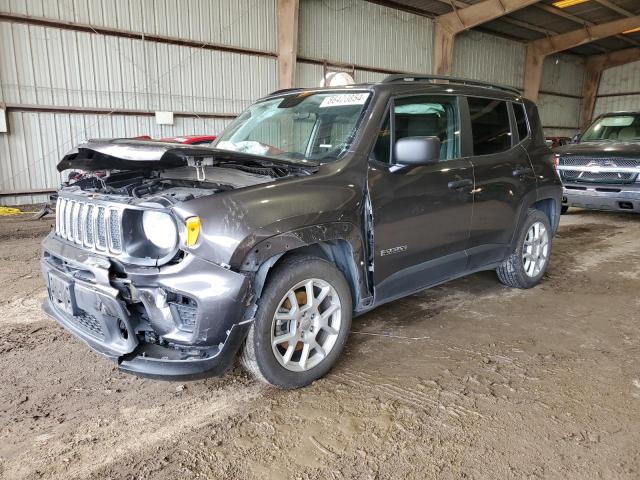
[(519, 172), (457, 184)]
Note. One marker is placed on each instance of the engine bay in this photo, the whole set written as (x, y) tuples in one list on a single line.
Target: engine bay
[(132, 170), (176, 184)]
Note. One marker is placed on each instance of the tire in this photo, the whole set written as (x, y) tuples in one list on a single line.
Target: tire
[(564, 209), (517, 270), (260, 355)]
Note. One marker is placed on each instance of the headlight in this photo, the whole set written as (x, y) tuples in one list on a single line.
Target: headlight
[(160, 229)]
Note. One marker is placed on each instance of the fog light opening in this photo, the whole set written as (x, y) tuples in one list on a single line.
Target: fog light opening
[(626, 205), (124, 333)]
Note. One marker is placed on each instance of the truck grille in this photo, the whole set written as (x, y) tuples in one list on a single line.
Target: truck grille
[(94, 226), (599, 177)]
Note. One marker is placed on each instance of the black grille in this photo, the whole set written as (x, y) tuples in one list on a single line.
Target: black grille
[(600, 161), (578, 161), (89, 323), (186, 310), (604, 177)]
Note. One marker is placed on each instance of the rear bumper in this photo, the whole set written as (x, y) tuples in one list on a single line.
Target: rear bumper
[(625, 198), (94, 309)]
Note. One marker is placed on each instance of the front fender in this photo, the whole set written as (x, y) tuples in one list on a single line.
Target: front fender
[(302, 237), (232, 223)]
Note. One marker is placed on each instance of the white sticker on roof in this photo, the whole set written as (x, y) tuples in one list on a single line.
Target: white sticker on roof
[(344, 99)]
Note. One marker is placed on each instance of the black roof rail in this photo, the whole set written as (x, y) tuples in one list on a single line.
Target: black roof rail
[(409, 77), (284, 90)]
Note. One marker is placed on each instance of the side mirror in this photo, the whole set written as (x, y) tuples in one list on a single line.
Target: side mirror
[(417, 151), (576, 138)]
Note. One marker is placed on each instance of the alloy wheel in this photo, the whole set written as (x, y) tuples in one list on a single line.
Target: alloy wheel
[(535, 251), (306, 325)]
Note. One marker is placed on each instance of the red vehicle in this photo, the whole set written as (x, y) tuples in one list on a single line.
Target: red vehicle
[(184, 139), (554, 142), (190, 139)]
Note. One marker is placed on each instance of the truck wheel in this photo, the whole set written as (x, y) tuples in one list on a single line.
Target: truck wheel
[(301, 325), (564, 209), (526, 265)]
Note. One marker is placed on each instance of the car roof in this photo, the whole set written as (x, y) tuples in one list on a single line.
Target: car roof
[(412, 84)]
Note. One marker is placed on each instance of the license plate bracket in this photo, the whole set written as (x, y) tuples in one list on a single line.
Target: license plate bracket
[(60, 293)]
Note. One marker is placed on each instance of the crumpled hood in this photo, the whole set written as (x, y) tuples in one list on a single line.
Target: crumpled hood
[(126, 154), (606, 148)]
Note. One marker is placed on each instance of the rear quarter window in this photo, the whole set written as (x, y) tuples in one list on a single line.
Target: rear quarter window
[(521, 120)]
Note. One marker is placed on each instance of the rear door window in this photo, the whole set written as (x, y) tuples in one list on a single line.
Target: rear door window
[(490, 125)]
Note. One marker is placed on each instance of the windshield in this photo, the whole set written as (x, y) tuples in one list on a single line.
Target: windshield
[(297, 128), (622, 127)]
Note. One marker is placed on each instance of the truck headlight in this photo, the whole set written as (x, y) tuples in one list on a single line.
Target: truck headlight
[(160, 229)]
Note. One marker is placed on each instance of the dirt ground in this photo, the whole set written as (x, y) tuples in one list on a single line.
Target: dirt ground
[(467, 380)]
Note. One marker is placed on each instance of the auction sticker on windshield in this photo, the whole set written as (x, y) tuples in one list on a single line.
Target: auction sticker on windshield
[(344, 99)]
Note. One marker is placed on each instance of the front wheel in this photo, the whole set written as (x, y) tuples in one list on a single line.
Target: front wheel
[(564, 209), (525, 267), (302, 323)]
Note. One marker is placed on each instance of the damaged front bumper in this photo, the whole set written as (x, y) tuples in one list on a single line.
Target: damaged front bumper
[(133, 315)]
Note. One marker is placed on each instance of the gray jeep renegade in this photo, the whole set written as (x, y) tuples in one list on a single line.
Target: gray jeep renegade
[(313, 206)]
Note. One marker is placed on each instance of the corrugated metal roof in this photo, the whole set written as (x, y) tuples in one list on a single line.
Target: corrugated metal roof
[(540, 15)]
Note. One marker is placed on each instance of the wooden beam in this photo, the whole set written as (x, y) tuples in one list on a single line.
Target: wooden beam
[(509, 20), (574, 18), (594, 67), (537, 50), (452, 23), (287, 41), (584, 35)]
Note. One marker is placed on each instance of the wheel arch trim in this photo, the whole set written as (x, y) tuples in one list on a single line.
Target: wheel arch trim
[(338, 242)]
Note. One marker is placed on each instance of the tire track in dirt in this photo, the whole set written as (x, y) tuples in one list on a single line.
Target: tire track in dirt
[(403, 394)]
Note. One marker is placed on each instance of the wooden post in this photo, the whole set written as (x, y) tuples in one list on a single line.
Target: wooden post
[(593, 74), (443, 50), (287, 41), (533, 72)]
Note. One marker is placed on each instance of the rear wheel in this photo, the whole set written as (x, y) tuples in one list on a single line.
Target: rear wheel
[(526, 265), (302, 323)]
